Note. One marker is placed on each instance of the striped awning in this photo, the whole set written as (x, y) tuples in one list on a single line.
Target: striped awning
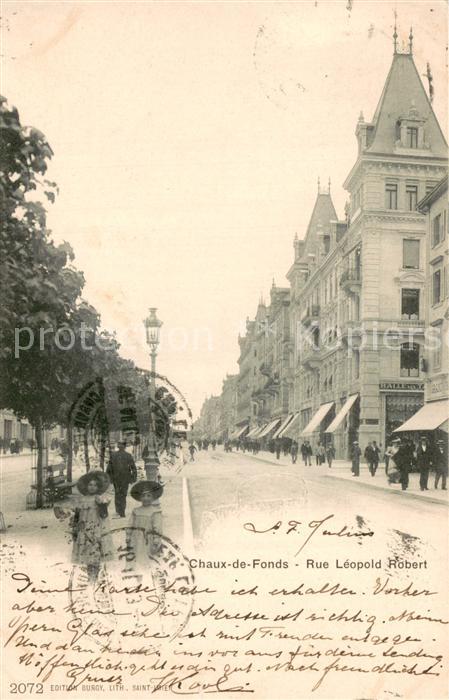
[(314, 424), (270, 427), (292, 429), (253, 432), (283, 426), (259, 430), (344, 410), (240, 431)]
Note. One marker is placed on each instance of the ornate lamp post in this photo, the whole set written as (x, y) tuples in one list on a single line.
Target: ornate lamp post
[(152, 328)]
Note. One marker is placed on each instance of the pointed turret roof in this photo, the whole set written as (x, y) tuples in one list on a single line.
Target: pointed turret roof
[(323, 213), (403, 89)]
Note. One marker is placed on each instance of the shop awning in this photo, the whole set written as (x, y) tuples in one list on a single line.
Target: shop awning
[(343, 412), (291, 430), (253, 432), (259, 430), (314, 424), (431, 416), (282, 426), (268, 428), (240, 432)]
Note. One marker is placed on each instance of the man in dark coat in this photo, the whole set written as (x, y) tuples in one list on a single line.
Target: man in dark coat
[(355, 458), (294, 451), (122, 472), (441, 463), (424, 462), (401, 458)]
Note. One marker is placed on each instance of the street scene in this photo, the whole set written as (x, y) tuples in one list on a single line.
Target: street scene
[(224, 364)]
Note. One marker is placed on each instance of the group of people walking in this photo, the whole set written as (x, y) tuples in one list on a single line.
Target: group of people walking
[(403, 456)]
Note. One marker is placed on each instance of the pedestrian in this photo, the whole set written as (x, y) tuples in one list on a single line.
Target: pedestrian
[(330, 454), (322, 453), (277, 448), (372, 453), (192, 450), (122, 472), (424, 462), (92, 541), (144, 534), (441, 463), (387, 456), (294, 451), (401, 458), (355, 458)]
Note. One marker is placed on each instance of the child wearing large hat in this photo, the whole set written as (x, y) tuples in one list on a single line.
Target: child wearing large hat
[(92, 542), (145, 528)]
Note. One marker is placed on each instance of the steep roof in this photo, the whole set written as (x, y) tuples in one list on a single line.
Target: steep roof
[(323, 213), (402, 88)]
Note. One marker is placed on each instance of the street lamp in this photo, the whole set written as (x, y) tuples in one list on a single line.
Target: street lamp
[(151, 460), (153, 329)]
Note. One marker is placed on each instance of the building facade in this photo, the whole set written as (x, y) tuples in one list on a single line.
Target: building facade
[(344, 349), (12, 429), (435, 206)]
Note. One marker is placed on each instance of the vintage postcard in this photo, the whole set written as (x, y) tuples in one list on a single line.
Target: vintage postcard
[(224, 349)]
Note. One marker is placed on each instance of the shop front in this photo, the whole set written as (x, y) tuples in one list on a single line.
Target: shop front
[(400, 401)]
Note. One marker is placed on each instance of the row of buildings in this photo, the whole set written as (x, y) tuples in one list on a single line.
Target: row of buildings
[(356, 342)]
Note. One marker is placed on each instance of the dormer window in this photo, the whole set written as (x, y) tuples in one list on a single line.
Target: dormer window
[(410, 130), (412, 137)]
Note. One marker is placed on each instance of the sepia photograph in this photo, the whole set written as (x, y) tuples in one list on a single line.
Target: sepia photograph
[(224, 349)]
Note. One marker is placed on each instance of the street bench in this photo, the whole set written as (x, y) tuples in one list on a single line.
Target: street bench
[(56, 485)]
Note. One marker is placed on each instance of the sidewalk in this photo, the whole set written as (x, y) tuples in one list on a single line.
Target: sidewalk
[(341, 469)]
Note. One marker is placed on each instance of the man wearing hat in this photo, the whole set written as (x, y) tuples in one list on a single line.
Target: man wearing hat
[(122, 472), (401, 458), (355, 458), (424, 461), (441, 463)]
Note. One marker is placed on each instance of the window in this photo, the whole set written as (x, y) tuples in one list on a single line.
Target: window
[(356, 364), (437, 230), (436, 357), (412, 137), (391, 196), (410, 254), (411, 192), (436, 287), (409, 360), (430, 185), (410, 304)]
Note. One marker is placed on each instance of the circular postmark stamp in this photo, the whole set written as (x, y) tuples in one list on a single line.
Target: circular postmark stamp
[(135, 406), (139, 598)]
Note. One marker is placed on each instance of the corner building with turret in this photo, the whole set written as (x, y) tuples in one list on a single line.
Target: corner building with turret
[(358, 285)]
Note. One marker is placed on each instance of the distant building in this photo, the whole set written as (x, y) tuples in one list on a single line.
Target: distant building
[(11, 428)]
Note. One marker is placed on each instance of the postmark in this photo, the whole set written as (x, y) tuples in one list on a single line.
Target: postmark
[(145, 411), (132, 603)]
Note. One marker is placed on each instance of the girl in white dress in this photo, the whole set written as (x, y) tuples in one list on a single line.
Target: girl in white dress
[(145, 528)]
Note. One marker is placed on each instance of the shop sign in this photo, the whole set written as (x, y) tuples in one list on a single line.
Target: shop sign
[(401, 386)]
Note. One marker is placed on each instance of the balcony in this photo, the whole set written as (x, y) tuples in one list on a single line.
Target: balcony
[(310, 315), (351, 280), (311, 357)]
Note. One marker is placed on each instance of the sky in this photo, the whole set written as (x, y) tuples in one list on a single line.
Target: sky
[(188, 138)]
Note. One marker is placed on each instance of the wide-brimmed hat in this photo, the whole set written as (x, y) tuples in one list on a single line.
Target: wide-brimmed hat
[(101, 478), (152, 487)]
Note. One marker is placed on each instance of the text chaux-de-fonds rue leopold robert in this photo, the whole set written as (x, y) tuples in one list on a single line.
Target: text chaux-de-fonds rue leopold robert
[(393, 563)]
